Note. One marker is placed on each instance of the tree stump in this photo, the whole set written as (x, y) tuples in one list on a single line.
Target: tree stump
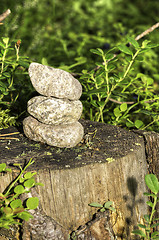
[(109, 164)]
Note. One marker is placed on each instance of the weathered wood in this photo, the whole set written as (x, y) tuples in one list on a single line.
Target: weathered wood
[(110, 164), (152, 154), (152, 150)]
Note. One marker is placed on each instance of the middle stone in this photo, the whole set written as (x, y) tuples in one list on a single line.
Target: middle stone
[(55, 111)]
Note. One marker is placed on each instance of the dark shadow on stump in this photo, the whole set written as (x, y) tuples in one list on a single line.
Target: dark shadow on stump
[(131, 200)]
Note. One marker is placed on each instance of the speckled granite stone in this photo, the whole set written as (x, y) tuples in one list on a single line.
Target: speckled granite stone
[(55, 111), (67, 135), (49, 81)]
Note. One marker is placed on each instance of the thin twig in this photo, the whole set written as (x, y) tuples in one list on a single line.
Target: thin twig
[(10, 138), (119, 102), (130, 103), (151, 29), (4, 15), (8, 134)]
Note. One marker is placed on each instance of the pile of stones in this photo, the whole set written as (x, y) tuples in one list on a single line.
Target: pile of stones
[(56, 111)]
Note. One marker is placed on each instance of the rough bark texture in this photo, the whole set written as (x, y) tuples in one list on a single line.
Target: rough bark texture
[(152, 150), (109, 164), (96, 229), (41, 227), (152, 154)]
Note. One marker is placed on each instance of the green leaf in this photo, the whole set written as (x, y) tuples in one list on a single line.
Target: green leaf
[(102, 209), (19, 189), (139, 232), (150, 194), (117, 112), (108, 204), (94, 204), (29, 183), (23, 64), (133, 42), (2, 167), (152, 45), (25, 216), (97, 51), (155, 225), (152, 183), (95, 91), (32, 203), (154, 234), (7, 74), (21, 180), (109, 56), (7, 210), (125, 49), (16, 204), (129, 124), (5, 40), (94, 103), (150, 81), (147, 218), (123, 107), (142, 226), (112, 209), (150, 204), (138, 124), (145, 43), (140, 58), (101, 103), (111, 67), (27, 175), (2, 45)]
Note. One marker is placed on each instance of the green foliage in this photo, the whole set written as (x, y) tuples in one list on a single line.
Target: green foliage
[(12, 66), (115, 93), (147, 230), (11, 207), (102, 208), (61, 32)]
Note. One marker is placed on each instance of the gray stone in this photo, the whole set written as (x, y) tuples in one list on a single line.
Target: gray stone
[(55, 111), (68, 135), (49, 81)]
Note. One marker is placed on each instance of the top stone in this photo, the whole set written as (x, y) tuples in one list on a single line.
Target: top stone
[(53, 82)]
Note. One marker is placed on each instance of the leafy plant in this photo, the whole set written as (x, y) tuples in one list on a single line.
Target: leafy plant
[(102, 208), (11, 68), (12, 207), (150, 222), (114, 93), (54, 35)]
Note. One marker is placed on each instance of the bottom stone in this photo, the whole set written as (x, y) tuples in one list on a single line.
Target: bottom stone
[(68, 135)]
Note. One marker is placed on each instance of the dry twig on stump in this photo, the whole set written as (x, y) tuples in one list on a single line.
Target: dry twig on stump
[(4, 15)]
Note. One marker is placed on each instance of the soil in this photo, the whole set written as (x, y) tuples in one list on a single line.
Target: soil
[(101, 143)]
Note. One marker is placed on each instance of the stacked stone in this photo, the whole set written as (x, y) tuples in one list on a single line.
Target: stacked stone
[(55, 113)]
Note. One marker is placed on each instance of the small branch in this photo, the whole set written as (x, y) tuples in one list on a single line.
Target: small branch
[(8, 138), (149, 30), (8, 134), (3, 136), (119, 102), (4, 15)]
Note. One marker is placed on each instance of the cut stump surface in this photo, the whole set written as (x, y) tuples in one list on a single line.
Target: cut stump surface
[(109, 164)]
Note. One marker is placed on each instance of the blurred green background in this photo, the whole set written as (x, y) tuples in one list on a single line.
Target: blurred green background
[(61, 33)]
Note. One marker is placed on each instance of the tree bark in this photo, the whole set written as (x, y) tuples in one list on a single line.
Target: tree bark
[(109, 164)]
